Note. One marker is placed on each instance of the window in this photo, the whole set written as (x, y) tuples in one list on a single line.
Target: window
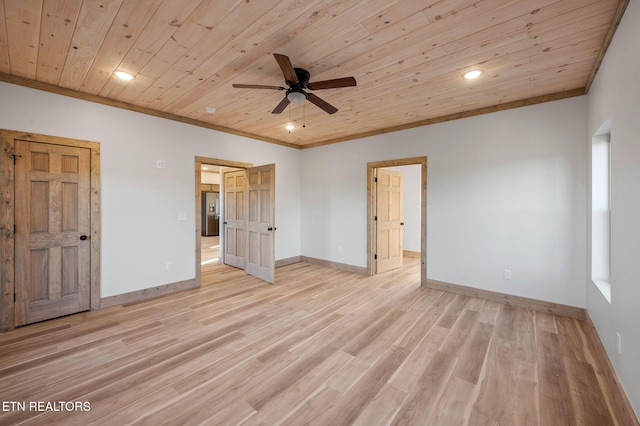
[(601, 211)]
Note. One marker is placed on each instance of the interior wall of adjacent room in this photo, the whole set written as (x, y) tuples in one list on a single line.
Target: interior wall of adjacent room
[(505, 190), (615, 96), (140, 203)]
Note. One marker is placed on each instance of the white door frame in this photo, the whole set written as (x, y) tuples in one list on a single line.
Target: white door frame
[(371, 225)]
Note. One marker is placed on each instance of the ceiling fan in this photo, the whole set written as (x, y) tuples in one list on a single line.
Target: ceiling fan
[(298, 80)]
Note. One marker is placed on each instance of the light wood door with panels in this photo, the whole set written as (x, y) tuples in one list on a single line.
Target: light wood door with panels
[(388, 220), (260, 222), (234, 217), (53, 226), (248, 222)]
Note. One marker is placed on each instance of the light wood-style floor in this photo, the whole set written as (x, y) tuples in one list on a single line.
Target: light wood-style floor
[(210, 250), (321, 347)]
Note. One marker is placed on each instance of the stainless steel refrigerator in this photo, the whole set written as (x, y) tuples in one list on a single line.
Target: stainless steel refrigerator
[(210, 213)]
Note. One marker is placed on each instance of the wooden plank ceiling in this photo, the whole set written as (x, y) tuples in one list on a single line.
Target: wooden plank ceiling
[(408, 57)]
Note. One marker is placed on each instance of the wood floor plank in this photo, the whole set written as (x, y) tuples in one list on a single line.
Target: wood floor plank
[(454, 405), (321, 346), (354, 402), (507, 388), (473, 355), (554, 391), (516, 326), (421, 403), (588, 402)]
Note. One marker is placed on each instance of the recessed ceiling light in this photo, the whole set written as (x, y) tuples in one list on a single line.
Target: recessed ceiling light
[(124, 75), (210, 110), (470, 75), (289, 126)]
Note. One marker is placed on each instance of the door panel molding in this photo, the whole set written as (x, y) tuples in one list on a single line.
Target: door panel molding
[(371, 207), (8, 140)]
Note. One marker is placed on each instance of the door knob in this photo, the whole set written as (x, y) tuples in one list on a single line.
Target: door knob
[(83, 237), (271, 228)]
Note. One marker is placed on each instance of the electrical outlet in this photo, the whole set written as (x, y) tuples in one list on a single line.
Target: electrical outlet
[(182, 216), (619, 343), (160, 164), (507, 274), (339, 249), (169, 266)]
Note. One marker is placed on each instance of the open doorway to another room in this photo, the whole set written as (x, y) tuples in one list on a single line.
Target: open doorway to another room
[(208, 209), (235, 218), (410, 214), (210, 212)]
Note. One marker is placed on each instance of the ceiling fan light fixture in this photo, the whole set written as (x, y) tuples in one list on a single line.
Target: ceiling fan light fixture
[(296, 97), (473, 74), (123, 75)]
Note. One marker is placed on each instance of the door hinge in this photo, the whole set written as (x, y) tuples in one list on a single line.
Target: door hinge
[(15, 229), (14, 298), (374, 179), (375, 218), (375, 257), (15, 156)]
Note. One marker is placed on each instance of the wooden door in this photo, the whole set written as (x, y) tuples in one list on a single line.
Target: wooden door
[(234, 221), (53, 224), (260, 222), (389, 219)]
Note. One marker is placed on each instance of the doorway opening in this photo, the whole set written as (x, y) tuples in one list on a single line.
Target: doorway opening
[(240, 209), (211, 213), (206, 183), (372, 223)]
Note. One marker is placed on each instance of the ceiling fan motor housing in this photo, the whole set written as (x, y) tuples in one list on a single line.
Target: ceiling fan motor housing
[(303, 78)]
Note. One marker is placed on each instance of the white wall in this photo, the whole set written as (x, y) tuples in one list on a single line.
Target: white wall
[(140, 203), (615, 96), (504, 191)]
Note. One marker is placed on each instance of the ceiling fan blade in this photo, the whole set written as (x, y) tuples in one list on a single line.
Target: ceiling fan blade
[(281, 106), (332, 84), (321, 103), (256, 86), (286, 67)]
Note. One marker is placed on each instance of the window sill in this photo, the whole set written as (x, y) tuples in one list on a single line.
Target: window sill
[(604, 285)]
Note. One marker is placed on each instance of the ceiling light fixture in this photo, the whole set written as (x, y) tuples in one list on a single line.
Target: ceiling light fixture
[(296, 96), (210, 110), (289, 126), (470, 75), (124, 75)]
